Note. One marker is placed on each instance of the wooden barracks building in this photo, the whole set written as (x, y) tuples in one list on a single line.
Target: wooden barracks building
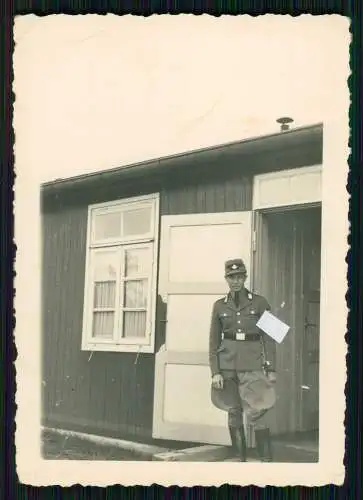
[(133, 259)]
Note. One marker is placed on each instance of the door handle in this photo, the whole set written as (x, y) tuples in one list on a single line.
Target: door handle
[(307, 324)]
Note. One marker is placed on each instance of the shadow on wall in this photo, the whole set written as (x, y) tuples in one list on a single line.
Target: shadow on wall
[(160, 326)]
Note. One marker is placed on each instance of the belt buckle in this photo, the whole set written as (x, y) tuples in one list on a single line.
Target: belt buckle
[(240, 336)]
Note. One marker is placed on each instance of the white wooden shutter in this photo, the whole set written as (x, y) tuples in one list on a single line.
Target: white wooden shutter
[(192, 255)]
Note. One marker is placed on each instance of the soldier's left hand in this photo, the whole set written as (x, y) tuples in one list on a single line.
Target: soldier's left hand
[(272, 377)]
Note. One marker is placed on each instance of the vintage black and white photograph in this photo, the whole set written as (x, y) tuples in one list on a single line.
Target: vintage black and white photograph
[(187, 239)]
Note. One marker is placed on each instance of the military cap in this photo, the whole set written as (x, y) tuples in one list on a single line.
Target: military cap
[(225, 399), (235, 266)]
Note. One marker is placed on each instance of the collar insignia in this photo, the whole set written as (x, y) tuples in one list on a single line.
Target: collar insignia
[(249, 296)]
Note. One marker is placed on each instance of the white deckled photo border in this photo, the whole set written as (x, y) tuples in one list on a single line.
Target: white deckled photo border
[(32, 469)]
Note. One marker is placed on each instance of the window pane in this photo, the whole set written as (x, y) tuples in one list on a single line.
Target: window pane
[(104, 295), (134, 324), (136, 221), (135, 294), (107, 225), (105, 266), (138, 261), (103, 324)]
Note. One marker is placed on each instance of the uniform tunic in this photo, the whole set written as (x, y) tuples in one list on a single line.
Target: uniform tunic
[(240, 361), (228, 318)]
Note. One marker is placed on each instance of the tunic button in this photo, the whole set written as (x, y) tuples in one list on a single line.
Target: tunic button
[(238, 322), (239, 331), (238, 314)]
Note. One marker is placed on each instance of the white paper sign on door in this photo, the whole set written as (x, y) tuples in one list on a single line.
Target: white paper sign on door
[(273, 327)]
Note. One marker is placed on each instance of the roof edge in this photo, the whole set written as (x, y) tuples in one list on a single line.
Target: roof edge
[(158, 160)]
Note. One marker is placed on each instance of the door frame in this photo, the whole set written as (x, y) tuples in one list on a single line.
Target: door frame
[(280, 192), (258, 277)]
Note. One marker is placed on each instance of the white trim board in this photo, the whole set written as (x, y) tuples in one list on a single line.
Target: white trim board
[(287, 187)]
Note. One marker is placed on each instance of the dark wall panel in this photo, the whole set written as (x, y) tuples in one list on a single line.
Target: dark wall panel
[(108, 392), (207, 195), (102, 390)]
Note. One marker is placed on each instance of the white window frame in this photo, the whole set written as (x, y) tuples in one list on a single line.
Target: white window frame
[(121, 244)]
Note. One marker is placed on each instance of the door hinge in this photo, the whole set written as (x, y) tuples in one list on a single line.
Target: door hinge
[(254, 241)]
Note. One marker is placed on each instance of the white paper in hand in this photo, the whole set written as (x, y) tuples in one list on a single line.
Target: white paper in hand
[(273, 327)]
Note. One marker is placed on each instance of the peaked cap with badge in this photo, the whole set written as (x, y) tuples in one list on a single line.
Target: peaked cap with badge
[(235, 266)]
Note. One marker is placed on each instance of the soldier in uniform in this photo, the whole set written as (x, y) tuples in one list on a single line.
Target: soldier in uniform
[(243, 376)]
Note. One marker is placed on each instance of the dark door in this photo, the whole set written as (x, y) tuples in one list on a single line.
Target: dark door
[(311, 228), (287, 272)]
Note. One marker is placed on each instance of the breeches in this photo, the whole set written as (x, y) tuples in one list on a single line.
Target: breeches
[(247, 398)]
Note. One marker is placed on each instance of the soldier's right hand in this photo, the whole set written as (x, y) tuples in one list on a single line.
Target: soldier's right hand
[(217, 381)]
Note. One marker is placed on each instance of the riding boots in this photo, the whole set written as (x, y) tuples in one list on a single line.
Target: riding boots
[(239, 445), (263, 444)]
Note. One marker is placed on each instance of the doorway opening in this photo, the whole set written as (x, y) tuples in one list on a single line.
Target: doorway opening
[(287, 268)]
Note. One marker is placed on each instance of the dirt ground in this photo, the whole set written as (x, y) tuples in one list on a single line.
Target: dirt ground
[(57, 447)]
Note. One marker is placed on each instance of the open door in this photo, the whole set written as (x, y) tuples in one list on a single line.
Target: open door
[(311, 227), (286, 269), (192, 255)]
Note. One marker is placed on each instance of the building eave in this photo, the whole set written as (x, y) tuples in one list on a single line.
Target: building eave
[(254, 145)]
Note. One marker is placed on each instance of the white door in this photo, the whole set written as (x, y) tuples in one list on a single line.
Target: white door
[(192, 255)]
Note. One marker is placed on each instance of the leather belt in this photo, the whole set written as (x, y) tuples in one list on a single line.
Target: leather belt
[(241, 336)]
